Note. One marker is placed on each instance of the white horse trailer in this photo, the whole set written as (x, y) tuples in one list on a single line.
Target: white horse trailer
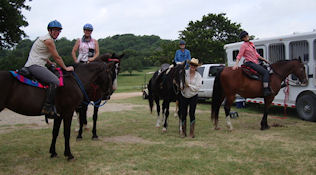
[(295, 46)]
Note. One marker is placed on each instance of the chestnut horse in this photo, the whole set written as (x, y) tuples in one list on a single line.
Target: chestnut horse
[(229, 82)]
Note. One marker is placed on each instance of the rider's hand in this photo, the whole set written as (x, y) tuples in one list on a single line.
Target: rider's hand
[(235, 67), (69, 68), (91, 59)]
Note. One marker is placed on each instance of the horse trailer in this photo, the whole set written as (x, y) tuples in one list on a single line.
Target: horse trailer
[(296, 46)]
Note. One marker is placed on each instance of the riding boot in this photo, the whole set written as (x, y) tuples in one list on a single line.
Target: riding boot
[(192, 130), (184, 129), (49, 109), (267, 91)]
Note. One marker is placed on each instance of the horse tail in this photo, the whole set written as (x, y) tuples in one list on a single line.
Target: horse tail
[(217, 96), (150, 96)]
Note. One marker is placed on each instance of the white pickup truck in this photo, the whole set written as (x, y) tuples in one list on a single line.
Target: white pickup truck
[(208, 73)]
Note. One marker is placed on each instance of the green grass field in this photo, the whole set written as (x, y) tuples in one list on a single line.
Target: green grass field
[(130, 144), (134, 82)]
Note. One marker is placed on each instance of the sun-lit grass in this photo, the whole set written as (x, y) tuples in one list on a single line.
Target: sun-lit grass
[(130, 144), (134, 82)]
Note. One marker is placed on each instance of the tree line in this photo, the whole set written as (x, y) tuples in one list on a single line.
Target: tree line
[(205, 39)]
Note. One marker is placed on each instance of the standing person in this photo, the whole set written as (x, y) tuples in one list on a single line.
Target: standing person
[(88, 47), (189, 97), (248, 50), (42, 49), (182, 54)]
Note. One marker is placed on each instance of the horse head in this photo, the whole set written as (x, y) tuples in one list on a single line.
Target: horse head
[(112, 70), (178, 76), (299, 71)]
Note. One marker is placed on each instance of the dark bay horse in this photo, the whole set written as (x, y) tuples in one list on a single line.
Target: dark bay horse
[(230, 82), (166, 85), (28, 100), (95, 93)]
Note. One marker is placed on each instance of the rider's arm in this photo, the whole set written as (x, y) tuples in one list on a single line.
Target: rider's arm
[(74, 51), (240, 54), (263, 59), (176, 59), (96, 51), (52, 49)]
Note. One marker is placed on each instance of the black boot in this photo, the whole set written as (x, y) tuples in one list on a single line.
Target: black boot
[(49, 109), (267, 91)]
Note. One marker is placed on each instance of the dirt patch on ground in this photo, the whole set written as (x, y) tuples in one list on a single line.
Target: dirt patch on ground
[(8, 117), (128, 139)]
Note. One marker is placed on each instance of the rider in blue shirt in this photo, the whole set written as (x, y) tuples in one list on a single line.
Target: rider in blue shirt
[(182, 54)]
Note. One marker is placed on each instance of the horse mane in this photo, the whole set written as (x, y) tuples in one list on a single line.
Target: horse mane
[(103, 57)]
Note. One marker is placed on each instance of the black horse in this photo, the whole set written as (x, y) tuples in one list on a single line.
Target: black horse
[(28, 100), (95, 94), (166, 85)]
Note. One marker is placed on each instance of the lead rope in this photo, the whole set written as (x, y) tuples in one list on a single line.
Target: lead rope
[(286, 91)]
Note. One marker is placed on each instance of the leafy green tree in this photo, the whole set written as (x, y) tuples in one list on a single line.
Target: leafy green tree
[(11, 20), (206, 38)]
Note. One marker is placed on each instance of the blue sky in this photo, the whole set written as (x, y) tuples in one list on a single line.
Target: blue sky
[(165, 18)]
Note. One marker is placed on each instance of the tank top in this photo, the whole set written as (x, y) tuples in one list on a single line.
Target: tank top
[(39, 53), (84, 49)]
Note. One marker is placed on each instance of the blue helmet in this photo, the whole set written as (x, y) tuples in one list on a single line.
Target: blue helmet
[(243, 34), (182, 42), (54, 24), (87, 27)]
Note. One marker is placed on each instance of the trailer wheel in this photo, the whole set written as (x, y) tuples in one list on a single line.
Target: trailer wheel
[(306, 107)]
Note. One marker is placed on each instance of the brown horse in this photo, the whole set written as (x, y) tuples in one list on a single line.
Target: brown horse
[(28, 100), (95, 93), (229, 82)]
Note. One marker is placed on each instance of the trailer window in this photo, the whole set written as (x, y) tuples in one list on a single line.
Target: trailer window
[(260, 52), (235, 53), (276, 52), (299, 50)]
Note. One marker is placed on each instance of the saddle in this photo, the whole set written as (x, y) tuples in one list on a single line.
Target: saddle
[(25, 76), (251, 73)]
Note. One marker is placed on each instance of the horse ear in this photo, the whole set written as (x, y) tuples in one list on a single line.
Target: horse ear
[(184, 63), (121, 56), (300, 59), (113, 55), (174, 63)]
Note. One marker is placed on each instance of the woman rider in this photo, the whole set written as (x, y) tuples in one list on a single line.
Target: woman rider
[(88, 47), (42, 49), (189, 97), (249, 52)]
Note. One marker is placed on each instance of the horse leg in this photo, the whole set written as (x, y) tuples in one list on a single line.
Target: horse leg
[(166, 114), (216, 113), (52, 149), (228, 103), (67, 127), (95, 118), (264, 120), (82, 115), (158, 112), (176, 112)]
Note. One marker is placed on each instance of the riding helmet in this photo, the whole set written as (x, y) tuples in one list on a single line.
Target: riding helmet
[(182, 42), (54, 24), (88, 27), (243, 34)]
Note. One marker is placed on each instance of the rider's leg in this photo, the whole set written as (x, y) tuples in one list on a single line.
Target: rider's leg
[(265, 77), (43, 74)]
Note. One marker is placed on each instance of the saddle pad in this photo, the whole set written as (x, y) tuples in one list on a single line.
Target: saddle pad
[(35, 83)]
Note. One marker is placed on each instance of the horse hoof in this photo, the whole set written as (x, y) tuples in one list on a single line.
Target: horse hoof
[(70, 158), (164, 129), (217, 128), (53, 155), (95, 138), (265, 128), (78, 138)]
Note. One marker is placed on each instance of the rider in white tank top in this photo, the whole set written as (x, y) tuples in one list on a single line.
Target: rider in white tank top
[(84, 47), (39, 52)]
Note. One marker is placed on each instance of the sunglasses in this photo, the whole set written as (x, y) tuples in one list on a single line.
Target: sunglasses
[(57, 29)]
